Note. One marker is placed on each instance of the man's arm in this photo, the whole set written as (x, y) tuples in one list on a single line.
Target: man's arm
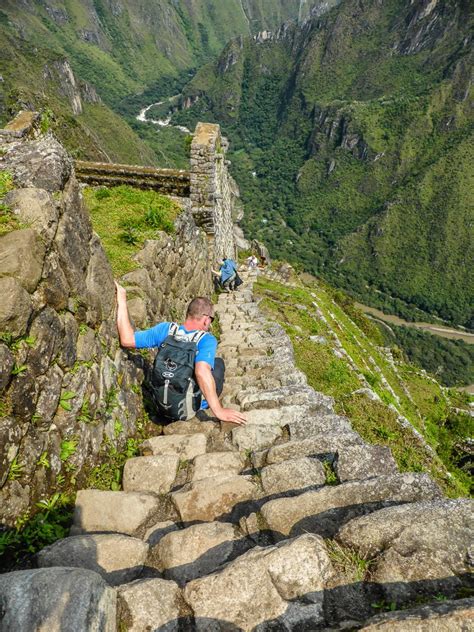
[(124, 326), (207, 385)]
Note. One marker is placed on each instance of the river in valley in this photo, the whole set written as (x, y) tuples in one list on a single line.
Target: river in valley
[(164, 122)]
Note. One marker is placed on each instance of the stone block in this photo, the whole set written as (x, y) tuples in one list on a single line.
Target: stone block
[(291, 476), (196, 551), (117, 558), (118, 512), (150, 474), (359, 462), (325, 511), (184, 446), (265, 585), (151, 604), (215, 498)]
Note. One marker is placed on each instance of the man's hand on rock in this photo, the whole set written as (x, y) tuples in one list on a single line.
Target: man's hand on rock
[(232, 416)]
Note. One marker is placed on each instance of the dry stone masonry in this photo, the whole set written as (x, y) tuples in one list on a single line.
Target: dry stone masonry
[(69, 395), (291, 522)]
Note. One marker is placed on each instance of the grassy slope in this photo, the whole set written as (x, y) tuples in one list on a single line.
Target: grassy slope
[(317, 310), (124, 217)]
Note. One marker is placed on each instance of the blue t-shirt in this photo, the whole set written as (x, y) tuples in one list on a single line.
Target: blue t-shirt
[(154, 337)]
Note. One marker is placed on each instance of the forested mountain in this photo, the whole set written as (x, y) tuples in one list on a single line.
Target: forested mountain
[(83, 59), (353, 138)]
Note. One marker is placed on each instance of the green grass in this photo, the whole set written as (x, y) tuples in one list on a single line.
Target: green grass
[(318, 309), (124, 217)]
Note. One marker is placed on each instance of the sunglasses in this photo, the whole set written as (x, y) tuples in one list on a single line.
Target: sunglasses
[(210, 317)]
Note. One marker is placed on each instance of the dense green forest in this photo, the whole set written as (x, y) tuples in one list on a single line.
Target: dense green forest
[(451, 362)]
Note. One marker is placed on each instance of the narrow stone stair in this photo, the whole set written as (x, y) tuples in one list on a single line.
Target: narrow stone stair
[(265, 526)]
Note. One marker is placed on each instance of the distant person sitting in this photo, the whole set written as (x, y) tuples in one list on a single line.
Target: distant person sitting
[(189, 348), (252, 262)]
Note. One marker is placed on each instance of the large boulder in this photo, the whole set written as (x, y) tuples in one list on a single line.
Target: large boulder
[(278, 585), (43, 164), (56, 600), (421, 548)]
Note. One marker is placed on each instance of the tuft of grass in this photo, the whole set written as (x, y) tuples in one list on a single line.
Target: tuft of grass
[(348, 561), (6, 183), (108, 475), (124, 217), (31, 534), (331, 476)]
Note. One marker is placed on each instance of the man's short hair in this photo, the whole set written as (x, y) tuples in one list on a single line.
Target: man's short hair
[(199, 306)]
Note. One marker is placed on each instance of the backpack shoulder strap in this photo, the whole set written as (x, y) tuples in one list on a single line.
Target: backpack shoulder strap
[(173, 330), (198, 335)]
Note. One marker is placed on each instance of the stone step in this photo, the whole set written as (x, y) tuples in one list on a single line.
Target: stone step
[(255, 436), (217, 464), (325, 511), (292, 476), (184, 446), (117, 512), (150, 473), (119, 559), (325, 446), (151, 604), (364, 461), (444, 616), (279, 584), (219, 498), (198, 550), (279, 397)]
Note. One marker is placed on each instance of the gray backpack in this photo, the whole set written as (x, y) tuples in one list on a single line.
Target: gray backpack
[(174, 390)]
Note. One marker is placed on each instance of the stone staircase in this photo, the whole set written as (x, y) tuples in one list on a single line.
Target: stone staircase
[(291, 522)]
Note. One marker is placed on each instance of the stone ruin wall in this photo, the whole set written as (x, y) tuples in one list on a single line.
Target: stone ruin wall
[(214, 194), (68, 393)]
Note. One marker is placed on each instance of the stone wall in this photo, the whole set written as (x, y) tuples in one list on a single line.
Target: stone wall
[(68, 394), (213, 191), (165, 181)]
